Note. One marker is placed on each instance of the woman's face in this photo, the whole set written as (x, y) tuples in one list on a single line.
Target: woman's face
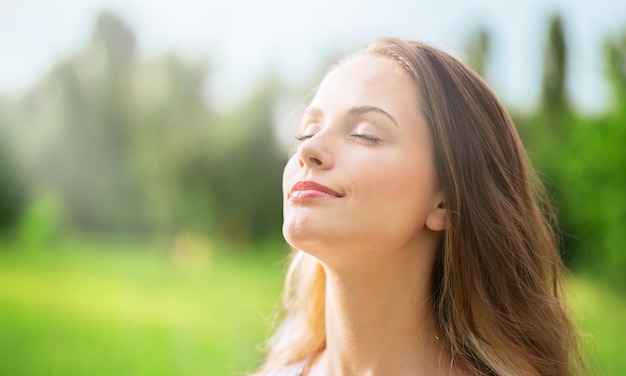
[(362, 177)]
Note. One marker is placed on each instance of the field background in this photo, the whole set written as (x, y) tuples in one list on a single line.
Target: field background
[(124, 309)]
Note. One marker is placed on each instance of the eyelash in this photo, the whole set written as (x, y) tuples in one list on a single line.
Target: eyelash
[(366, 137), (303, 137), (363, 136)]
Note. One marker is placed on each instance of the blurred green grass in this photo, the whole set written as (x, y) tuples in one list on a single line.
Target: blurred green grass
[(131, 311), (102, 309), (601, 314)]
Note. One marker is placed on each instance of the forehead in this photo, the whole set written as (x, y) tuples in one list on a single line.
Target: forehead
[(367, 80)]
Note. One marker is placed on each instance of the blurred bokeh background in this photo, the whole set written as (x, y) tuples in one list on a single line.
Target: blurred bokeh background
[(142, 145)]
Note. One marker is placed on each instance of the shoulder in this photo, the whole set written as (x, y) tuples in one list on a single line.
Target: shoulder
[(290, 370)]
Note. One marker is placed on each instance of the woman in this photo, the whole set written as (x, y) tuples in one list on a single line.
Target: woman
[(420, 246)]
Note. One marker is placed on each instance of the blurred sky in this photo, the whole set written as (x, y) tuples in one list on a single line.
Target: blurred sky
[(244, 38)]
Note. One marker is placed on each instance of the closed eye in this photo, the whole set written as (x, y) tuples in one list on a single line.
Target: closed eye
[(302, 137), (366, 137)]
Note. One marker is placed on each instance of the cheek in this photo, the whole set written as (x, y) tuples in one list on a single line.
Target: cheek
[(399, 181), (401, 195)]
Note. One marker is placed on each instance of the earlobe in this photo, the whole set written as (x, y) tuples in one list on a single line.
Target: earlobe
[(436, 220)]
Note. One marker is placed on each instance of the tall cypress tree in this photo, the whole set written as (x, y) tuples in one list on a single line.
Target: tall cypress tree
[(12, 195), (615, 53), (553, 93), (477, 51)]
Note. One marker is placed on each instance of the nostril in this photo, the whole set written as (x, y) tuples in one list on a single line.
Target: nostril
[(316, 161)]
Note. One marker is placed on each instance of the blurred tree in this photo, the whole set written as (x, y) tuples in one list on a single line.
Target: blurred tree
[(246, 172), (581, 159), (127, 146), (113, 37), (173, 143), (477, 51), (100, 191), (12, 189), (592, 178), (615, 52), (553, 93), (74, 127)]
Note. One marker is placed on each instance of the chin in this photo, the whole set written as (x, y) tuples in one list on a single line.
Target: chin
[(307, 238), (297, 235)]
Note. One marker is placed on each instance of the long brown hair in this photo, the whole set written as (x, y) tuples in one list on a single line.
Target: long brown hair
[(496, 279)]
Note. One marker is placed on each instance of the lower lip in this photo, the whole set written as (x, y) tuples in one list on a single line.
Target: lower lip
[(310, 195)]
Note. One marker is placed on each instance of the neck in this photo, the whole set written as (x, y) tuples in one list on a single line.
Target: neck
[(379, 318)]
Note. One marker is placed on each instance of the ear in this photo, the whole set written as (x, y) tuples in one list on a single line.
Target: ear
[(436, 219)]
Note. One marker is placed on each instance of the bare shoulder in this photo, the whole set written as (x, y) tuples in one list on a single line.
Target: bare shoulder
[(288, 370)]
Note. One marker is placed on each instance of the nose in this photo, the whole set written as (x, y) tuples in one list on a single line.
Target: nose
[(314, 153)]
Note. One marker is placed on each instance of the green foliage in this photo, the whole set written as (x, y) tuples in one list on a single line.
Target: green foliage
[(584, 171), (81, 114), (246, 175), (134, 147), (581, 159), (12, 195), (127, 146)]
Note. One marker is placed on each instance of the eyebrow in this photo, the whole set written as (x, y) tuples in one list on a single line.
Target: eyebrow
[(354, 111), (360, 110)]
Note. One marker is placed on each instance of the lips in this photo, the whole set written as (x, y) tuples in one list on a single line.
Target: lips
[(304, 190)]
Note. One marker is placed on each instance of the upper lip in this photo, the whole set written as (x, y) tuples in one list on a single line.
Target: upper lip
[(313, 186)]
